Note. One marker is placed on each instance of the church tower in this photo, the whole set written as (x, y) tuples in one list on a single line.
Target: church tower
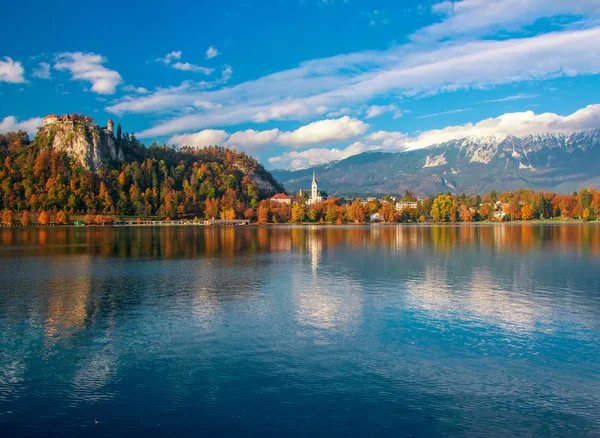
[(111, 126), (314, 189)]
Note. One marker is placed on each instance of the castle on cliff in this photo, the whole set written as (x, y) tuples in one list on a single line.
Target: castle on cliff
[(74, 118)]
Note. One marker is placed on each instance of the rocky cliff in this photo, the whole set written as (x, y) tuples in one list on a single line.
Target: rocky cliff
[(91, 146)]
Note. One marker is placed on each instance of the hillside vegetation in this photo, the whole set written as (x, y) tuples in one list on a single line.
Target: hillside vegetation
[(37, 176)]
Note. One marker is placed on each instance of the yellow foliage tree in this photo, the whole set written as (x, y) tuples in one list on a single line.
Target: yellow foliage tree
[(228, 214), (526, 212), (586, 214)]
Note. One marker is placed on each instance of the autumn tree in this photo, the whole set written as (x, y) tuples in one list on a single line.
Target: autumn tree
[(440, 210), (211, 208), (298, 213), (388, 213), (526, 212), (263, 212), (7, 217), (465, 214), (44, 218), (249, 213), (25, 218), (586, 214), (228, 214), (62, 217), (356, 212)]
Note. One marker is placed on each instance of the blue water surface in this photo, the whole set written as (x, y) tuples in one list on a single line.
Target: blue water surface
[(489, 330)]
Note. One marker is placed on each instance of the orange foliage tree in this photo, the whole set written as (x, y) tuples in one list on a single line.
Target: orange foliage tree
[(7, 217), (44, 218), (25, 218)]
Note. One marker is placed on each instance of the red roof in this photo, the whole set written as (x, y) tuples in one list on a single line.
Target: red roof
[(50, 116), (110, 122), (281, 196)]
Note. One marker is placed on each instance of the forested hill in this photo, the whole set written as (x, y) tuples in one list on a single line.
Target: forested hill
[(154, 181)]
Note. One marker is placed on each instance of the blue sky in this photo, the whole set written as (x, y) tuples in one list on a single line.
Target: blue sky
[(302, 82)]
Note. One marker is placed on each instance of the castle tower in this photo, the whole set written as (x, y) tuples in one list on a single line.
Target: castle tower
[(111, 126), (314, 189)]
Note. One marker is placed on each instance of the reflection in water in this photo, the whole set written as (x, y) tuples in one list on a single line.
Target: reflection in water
[(304, 325)]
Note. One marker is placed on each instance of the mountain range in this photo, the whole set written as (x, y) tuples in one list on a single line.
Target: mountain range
[(557, 162)]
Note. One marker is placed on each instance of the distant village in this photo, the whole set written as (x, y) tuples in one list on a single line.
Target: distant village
[(409, 203)]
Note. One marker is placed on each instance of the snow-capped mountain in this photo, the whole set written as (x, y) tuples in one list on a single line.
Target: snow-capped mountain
[(559, 162)]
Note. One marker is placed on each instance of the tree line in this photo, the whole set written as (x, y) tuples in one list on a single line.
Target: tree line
[(523, 204)]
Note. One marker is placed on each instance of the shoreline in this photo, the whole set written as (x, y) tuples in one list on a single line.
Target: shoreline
[(229, 224)]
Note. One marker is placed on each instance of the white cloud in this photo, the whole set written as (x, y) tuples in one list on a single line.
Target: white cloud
[(134, 89), (251, 138), (484, 17), (377, 110), (212, 52), (387, 139), (315, 156), (207, 137), (513, 97), (408, 71), (42, 71), (11, 71), (324, 131), (10, 124), (320, 132), (175, 97), (169, 57), (204, 104), (186, 66), (443, 113), (89, 67), (341, 112), (226, 74)]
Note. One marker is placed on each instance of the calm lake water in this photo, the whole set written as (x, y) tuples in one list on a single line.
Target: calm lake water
[(400, 330)]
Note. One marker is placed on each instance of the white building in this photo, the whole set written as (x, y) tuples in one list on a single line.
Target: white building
[(401, 206), (315, 194)]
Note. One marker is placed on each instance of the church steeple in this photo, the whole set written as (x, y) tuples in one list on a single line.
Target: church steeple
[(314, 188)]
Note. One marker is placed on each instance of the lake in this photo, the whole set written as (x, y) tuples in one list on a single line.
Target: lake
[(490, 330)]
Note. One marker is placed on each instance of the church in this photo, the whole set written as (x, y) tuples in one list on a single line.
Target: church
[(315, 194)]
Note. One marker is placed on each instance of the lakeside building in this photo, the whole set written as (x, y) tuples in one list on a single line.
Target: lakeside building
[(315, 194), (401, 206), (282, 198)]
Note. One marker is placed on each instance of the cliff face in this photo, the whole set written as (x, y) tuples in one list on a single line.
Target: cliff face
[(91, 147)]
